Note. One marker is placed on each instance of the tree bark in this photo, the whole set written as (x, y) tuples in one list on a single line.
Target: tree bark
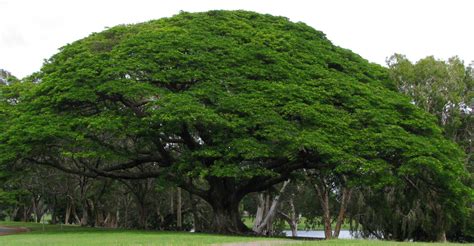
[(271, 212), (226, 218), (142, 215), (323, 194), (292, 218), (171, 200), (179, 219), (85, 215), (260, 211), (68, 212), (196, 226), (225, 205), (441, 237), (346, 197)]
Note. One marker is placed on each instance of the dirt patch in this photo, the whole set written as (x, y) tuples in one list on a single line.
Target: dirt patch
[(8, 230), (260, 243)]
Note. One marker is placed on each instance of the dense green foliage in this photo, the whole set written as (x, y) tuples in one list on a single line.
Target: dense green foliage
[(225, 103)]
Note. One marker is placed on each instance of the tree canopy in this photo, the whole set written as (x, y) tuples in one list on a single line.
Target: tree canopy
[(224, 103)]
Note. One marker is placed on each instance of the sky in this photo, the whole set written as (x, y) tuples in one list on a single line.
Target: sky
[(33, 30)]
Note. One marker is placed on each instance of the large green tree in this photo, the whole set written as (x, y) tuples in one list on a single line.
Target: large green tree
[(225, 103)]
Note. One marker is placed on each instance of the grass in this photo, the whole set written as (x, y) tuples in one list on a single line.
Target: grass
[(75, 235)]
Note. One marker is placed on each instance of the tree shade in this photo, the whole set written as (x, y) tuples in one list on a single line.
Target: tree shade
[(225, 103)]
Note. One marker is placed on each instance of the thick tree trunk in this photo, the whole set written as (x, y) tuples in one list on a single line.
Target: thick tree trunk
[(227, 219), (225, 205)]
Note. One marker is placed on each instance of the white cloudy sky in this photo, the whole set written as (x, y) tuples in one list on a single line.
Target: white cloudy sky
[(33, 30)]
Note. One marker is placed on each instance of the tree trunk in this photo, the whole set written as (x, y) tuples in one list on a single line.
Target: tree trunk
[(171, 200), (226, 218), (35, 209), (346, 197), (225, 205), (142, 215), (260, 211), (196, 225), (326, 216), (441, 237), (54, 213), (292, 219), (85, 215), (271, 211), (76, 217), (14, 213), (179, 219), (68, 213), (323, 194)]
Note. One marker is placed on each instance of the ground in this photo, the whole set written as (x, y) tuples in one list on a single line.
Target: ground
[(74, 235)]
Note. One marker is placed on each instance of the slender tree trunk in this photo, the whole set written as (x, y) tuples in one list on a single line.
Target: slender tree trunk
[(179, 219), (270, 215), (346, 197), (194, 211), (143, 215), (117, 219), (292, 219), (85, 215), (327, 216), (54, 213), (14, 213), (35, 208), (171, 200), (76, 217), (323, 194), (68, 213), (260, 211)]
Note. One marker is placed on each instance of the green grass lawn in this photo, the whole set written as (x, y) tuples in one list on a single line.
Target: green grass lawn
[(75, 235)]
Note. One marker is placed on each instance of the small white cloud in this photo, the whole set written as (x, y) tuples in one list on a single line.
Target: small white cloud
[(11, 38)]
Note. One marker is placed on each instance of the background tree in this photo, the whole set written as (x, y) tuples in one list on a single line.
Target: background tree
[(445, 89)]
